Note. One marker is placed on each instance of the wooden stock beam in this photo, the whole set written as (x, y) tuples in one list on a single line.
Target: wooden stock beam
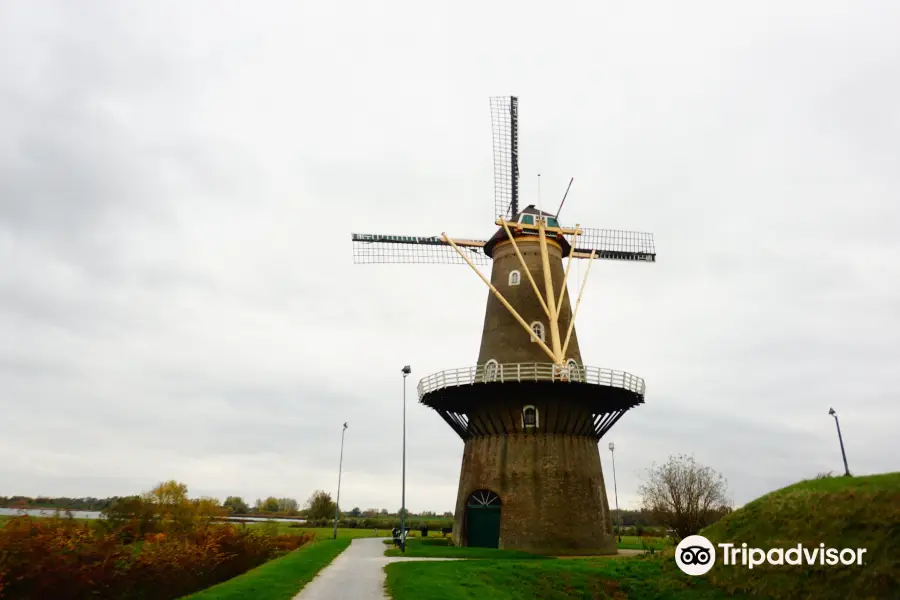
[(524, 226), (525, 268), (562, 291), (551, 299), (502, 300), (578, 302)]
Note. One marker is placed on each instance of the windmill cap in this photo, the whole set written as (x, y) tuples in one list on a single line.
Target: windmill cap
[(500, 234)]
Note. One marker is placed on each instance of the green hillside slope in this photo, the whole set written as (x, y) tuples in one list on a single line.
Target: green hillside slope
[(841, 512)]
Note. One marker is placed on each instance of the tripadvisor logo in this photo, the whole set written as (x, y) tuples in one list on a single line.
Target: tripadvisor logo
[(696, 555)]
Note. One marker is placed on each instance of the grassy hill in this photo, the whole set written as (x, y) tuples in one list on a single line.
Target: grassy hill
[(841, 512), (851, 512)]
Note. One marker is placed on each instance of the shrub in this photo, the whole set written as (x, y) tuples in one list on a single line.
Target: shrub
[(61, 559)]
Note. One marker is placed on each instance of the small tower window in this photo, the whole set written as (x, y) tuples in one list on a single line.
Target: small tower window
[(538, 330), (530, 420), (490, 370), (514, 277)]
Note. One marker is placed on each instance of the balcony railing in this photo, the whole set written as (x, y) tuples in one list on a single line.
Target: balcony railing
[(530, 372)]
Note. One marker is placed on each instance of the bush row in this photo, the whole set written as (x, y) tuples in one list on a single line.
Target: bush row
[(65, 560), (378, 523), (641, 531)]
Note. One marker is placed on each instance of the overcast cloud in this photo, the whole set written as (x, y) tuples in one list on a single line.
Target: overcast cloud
[(178, 181)]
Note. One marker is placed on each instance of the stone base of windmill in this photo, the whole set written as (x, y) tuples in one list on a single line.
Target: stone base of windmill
[(537, 493)]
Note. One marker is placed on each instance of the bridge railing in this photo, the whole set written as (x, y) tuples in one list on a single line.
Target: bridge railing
[(492, 372)]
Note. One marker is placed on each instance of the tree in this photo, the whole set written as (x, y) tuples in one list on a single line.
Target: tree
[(684, 495), (355, 512), (236, 504), (164, 508), (287, 505), (320, 506), (206, 509), (168, 493), (270, 505), (139, 514), (170, 502)]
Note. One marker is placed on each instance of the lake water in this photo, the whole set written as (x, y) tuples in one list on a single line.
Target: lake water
[(43, 512), (93, 514)]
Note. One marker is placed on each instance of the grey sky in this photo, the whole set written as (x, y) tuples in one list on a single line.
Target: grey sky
[(178, 181)]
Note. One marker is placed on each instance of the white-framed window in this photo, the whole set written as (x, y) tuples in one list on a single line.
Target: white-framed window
[(574, 371), (515, 278), (537, 330), (491, 370), (530, 418)]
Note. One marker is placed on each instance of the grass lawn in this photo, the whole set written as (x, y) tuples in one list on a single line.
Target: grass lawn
[(619, 578), (443, 548), (278, 579), (636, 542), (327, 533)]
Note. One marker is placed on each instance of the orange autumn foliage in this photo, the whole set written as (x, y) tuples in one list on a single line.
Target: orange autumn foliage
[(64, 560)]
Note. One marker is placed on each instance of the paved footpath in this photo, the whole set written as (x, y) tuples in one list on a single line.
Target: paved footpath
[(356, 574)]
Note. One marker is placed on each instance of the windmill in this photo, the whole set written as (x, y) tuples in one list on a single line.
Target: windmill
[(529, 411)]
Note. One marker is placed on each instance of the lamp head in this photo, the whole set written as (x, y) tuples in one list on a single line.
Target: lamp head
[(612, 446), (831, 411), (345, 425), (406, 370)]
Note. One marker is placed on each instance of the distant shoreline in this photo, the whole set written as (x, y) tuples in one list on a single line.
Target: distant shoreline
[(49, 509), (264, 516), (39, 511), (92, 510)]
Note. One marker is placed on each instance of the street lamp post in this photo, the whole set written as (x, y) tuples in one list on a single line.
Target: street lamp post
[(841, 440), (337, 504), (406, 371), (612, 448)]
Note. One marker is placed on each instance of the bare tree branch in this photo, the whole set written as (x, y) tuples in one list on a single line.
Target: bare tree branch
[(684, 495)]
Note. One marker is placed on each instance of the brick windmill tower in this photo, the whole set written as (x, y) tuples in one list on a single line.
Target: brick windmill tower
[(530, 412)]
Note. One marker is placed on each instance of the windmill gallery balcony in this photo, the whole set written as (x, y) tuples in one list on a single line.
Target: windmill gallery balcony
[(531, 398)]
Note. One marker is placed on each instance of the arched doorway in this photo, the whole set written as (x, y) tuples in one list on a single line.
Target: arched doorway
[(483, 519)]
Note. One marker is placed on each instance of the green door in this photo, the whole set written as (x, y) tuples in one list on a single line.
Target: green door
[(483, 519)]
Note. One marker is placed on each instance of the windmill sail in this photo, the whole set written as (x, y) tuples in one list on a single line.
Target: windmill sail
[(370, 248), (505, 125), (614, 244)]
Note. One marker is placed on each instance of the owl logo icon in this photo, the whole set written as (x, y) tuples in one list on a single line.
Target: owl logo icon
[(695, 555)]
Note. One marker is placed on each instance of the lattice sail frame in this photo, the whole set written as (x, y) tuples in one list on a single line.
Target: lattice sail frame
[(369, 248), (614, 244), (609, 244), (505, 128)]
